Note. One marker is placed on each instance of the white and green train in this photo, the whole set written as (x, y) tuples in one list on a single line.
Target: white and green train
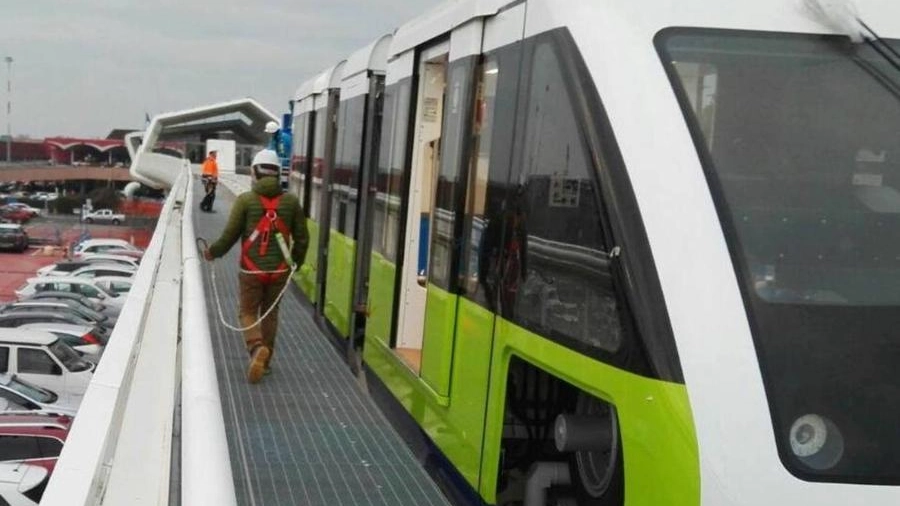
[(622, 253)]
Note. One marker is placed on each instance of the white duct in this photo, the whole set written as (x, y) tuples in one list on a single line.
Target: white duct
[(130, 188), (540, 477)]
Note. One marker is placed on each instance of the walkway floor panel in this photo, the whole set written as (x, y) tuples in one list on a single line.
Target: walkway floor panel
[(306, 434)]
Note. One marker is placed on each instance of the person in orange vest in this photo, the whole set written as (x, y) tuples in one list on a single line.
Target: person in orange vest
[(209, 174)]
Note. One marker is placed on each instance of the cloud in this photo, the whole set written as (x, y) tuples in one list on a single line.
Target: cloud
[(83, 68)]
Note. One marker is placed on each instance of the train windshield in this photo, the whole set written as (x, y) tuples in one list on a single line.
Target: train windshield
[(800, 140)]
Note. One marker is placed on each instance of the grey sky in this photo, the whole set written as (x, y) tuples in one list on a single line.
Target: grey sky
[(84, 67)]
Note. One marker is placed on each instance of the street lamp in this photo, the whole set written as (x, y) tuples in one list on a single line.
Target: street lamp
[(9, 61)]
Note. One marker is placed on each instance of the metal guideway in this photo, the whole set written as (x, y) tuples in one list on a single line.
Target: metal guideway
[(306, 434)]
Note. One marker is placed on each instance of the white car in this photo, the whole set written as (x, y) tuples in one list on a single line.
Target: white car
[(128, 260), (65, 268), (43, 359), (103, 215), (97, 270), (17, 394), (22, 484), (79, 337), (103, 245), (83, 286), (115, 284)]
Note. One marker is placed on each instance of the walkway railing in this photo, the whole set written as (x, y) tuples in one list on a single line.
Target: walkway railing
[(123, 447)]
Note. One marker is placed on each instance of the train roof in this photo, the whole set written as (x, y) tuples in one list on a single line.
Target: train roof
[(372, 57), (442, 19), (330, 78)]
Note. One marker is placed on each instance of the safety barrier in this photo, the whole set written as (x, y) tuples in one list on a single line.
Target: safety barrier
[(124, 442)]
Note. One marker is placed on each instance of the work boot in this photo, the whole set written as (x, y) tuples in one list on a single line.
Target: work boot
[(258, 360)]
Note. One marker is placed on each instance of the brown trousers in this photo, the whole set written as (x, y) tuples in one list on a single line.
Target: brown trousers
[(256, 296)]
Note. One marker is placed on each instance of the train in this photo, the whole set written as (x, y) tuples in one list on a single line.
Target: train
[(621, 253)]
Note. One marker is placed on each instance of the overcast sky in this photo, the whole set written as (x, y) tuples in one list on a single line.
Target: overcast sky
[(84, 67)]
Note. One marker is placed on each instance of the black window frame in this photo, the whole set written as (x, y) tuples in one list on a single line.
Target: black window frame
[(648, 347)]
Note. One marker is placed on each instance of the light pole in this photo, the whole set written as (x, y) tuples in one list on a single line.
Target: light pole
[(9, 61)]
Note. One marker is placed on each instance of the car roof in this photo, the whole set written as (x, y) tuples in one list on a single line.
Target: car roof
[(32, 337), (96, 257), (59, 279), (102, 241), (97, 266), (23, 421), (57, 327)]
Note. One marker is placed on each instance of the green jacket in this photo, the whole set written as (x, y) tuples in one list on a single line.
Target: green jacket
[(245, 215)]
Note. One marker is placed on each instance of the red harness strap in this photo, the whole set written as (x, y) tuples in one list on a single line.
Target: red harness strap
[(263, 234)]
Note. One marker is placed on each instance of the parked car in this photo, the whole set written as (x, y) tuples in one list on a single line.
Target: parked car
[(33, 211), (83, 286), (43, 359), (62, 307), (77, 297), (116, 284), (19, 317), (13, 237), (136, 254), (18, 395), (22, 484), (14, 214), (103, 245), (63, 268), (82, 338), (98, 269), (35, 439), (103, 215)]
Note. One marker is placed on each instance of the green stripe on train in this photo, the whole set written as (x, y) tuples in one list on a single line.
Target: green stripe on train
[(306, 275), (466, 421), (339, 281)]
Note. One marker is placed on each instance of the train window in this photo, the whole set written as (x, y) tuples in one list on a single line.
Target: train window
[(391, 163), (457, 114), (348, 152), (474, 274), (798, 140), (317, 165), (555, 277), (299, 160)]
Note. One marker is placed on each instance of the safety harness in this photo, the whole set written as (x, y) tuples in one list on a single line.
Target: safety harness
[(269, 225)]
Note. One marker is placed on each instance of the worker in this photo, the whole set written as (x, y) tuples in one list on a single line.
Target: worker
[(209, 175), (274, 237)]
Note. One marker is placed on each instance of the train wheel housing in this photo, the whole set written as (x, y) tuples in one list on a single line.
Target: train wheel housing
[(592, 436)]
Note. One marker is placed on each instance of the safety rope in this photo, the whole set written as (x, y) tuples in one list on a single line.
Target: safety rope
[(287, 282)]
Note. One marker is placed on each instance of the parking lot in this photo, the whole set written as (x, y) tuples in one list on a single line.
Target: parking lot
[(15, 268)]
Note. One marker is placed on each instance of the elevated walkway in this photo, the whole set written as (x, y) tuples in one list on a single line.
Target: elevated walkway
[(306, 434)]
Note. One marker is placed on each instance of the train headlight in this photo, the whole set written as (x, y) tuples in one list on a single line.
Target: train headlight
[(816, 441)]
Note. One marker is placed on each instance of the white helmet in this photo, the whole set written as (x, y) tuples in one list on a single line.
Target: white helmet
[(271, 127), (267, 162)]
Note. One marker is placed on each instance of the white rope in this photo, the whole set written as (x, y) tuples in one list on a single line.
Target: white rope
[(287, 282)]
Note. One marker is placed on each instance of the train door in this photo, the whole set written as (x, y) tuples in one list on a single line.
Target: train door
[(328, 162), (432, 72)]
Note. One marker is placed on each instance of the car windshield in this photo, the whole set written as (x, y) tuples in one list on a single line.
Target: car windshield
[(798, 138), (86, 311), (32, 391), (69, 357)]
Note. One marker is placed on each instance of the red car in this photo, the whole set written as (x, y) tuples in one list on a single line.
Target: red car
[(15, 214), (33, 438)]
